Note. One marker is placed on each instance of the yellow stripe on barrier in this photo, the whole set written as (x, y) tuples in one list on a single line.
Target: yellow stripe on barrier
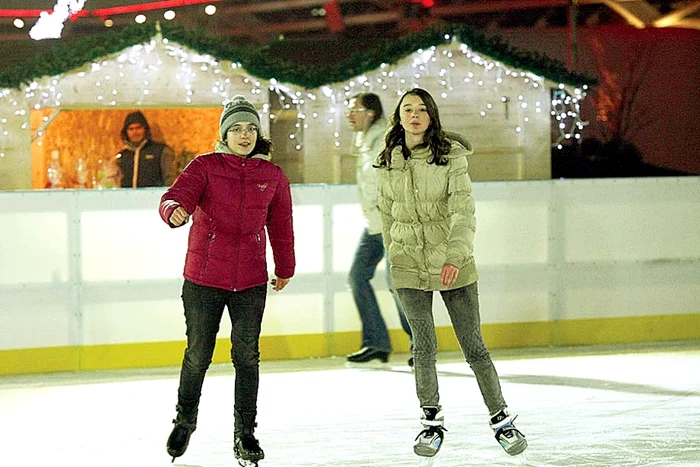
[(608, 331)]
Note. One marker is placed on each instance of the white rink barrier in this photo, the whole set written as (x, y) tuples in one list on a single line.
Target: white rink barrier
[(91, 279)]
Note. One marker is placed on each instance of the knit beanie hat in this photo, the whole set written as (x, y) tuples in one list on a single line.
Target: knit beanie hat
[(237, 110)]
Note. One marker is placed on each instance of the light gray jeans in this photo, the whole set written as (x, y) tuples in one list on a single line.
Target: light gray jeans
[(463, 307)]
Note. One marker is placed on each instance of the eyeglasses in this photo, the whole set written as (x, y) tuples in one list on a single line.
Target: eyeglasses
[(355, 110), (237, 130)]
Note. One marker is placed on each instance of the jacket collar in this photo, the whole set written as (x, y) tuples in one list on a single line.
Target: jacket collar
[(223, 148), (131, 147), (398, 162)]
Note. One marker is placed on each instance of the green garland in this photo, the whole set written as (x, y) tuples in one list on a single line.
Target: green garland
[(73, 53), (261, 61)]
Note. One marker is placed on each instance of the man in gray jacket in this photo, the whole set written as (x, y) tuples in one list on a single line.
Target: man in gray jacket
[(366, 116)]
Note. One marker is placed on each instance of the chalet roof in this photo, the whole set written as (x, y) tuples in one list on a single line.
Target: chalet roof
[(267, 62)]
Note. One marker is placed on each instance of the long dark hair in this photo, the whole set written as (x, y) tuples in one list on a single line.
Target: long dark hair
[(434, 138), (370, 101), (263, 145)]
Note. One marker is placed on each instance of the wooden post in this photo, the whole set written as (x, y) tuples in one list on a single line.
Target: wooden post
[(573, 38)]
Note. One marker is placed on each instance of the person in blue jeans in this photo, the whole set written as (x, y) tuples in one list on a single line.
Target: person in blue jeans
[(366, 117)]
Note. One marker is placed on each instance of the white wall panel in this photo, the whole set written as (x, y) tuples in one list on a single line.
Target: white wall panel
[(514, 294), (511, 232), (618, 231), (293, 313), (130, 245), (41, 315), (134, 321), (632, 219), (32, 239), (308, 239), (348, 224), (625, 289), (88, 267)]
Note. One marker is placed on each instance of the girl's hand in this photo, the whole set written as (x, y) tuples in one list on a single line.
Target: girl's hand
[(179, 217), (449, 274), (279, 283)]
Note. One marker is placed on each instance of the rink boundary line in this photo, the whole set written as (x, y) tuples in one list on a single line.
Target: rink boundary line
[(583, 332)]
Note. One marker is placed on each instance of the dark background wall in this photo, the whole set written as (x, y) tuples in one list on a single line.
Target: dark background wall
[(648, 90)]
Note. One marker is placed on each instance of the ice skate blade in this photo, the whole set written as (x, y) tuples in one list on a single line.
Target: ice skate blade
[(247, 463), (517, 447), (426, 451), (371, 365), (426, 462)]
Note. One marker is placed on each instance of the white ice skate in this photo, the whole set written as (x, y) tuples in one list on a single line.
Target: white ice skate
[(509, 437), (429, 440)]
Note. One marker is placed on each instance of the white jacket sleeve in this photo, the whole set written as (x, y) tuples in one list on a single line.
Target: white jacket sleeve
[(367, 176)]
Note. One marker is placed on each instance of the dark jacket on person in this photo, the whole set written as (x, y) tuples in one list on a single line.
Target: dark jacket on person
[(155, 165), (232, 201)]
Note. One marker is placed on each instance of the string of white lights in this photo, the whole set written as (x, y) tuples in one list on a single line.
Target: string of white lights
[(139, 76)]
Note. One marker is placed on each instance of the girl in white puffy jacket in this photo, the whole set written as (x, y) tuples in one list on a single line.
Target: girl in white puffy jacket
[(428, 228)]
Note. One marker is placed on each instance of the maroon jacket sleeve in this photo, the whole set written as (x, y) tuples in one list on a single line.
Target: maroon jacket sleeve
[(186, 191), (280, 229)]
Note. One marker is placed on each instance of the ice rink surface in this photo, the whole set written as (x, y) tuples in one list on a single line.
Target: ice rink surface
[(578, 407)]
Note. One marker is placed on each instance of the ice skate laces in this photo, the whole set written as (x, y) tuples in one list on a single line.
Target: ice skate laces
[(434, 423), (509, 437), (431, 431), (429, 440), (502, 422)]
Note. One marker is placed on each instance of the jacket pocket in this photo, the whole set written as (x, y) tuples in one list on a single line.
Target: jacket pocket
[(207, 251)]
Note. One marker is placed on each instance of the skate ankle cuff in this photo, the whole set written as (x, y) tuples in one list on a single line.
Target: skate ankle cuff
[(432, 414), (500, 419), (189, 425)]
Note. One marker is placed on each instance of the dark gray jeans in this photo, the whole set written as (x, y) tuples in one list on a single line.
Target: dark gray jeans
[(463, 307), (204, 307)]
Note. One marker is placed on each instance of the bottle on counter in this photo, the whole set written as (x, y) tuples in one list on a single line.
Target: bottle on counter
[(108, 174), (54, 172), (81, 172)]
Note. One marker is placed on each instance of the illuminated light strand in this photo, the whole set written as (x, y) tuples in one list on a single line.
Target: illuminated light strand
[(213, 80)]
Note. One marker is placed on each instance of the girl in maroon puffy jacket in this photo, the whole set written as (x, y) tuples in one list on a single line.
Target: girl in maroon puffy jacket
[(236, 198)]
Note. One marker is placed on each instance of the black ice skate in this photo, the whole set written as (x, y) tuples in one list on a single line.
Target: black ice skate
[(367, 354), (247, 451), (509, 437), (185, 423), (429, 441)]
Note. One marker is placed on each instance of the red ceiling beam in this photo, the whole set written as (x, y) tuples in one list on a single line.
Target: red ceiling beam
[(32, 13), (104, 12), (121, 10)]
